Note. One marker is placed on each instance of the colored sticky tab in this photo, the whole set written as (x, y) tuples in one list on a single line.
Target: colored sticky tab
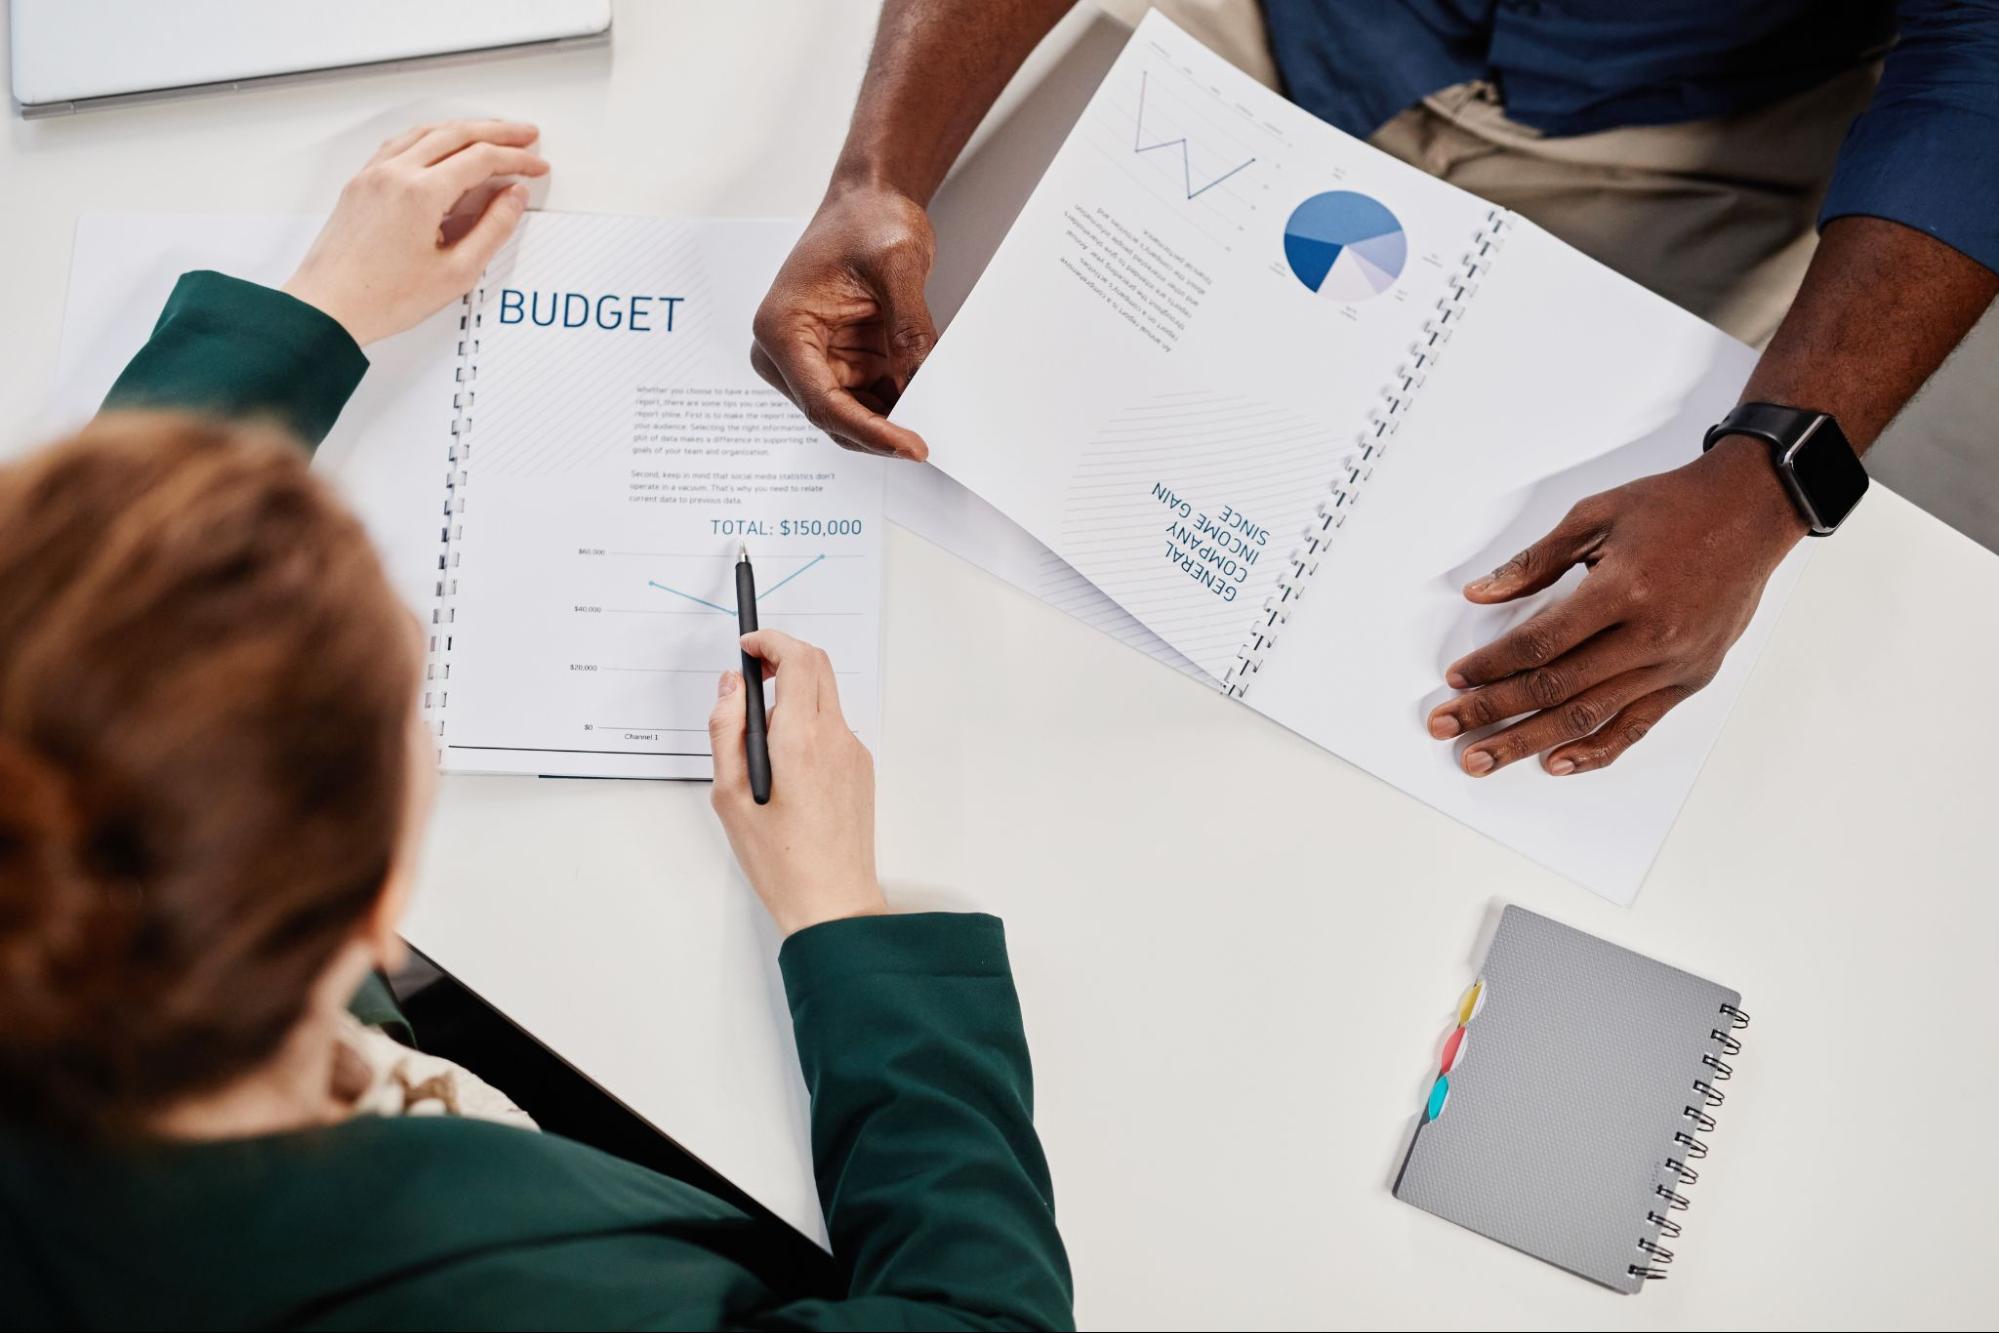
[(1440, 1092), (1454, 1050), (1473, 1001)]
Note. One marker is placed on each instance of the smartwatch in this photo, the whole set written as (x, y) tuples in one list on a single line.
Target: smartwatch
[(1812, 454)]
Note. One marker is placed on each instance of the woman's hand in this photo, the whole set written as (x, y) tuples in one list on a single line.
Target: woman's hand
[(383, 262), (810, 853)]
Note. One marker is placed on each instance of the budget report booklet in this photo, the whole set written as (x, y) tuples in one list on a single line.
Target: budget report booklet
[(559, 471), (1280, 395)]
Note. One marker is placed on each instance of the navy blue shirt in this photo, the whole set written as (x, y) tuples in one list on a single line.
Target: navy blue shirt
[(1925, 153)]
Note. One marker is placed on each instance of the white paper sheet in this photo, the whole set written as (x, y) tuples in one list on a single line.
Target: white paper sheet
[(933, 506)]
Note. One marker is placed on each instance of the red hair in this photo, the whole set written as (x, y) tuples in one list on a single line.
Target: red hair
[(206, 689)]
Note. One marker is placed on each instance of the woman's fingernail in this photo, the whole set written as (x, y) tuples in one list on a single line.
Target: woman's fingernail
[(1479, 585), (1443, 726), (1456, 680), (1478, 763), (1559, 767), (727, 685)]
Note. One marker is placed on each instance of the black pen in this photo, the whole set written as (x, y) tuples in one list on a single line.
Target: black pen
[(755, 741)]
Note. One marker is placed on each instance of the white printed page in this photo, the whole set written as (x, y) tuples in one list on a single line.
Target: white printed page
[(1182, 338), (616, 451), (1564, 379), (939, 510)]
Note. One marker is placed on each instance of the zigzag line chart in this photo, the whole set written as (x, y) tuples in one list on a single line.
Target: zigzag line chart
[(1138, 145)]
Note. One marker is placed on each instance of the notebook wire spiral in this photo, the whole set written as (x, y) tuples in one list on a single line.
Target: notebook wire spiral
[(1686, 1147), (458, 457), (1356, 466)]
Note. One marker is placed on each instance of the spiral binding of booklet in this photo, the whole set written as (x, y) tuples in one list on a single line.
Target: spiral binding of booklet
[(1673, 1169), (437, 665), (1357, 464)]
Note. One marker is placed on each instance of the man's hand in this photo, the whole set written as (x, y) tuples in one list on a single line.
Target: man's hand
[(1677, 564), (845, 324), (1678, 561)]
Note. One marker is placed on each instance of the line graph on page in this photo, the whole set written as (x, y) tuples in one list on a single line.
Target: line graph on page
[(1189, 144), (1140, 145), (651, 628), (763, 597)]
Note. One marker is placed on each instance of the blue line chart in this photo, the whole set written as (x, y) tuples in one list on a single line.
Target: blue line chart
[(730, 610), (1138, 146), (789, 577), (703, 601)]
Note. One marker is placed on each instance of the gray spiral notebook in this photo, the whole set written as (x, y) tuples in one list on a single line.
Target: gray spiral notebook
[(1573, 1100)]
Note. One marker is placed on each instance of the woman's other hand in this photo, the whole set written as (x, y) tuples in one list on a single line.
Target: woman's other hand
[(810, 853), (383, 262)]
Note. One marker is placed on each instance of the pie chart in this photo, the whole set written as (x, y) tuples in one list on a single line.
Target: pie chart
[(1345, 246)]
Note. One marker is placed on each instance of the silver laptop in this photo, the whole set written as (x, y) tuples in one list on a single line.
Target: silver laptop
[(72, 54)]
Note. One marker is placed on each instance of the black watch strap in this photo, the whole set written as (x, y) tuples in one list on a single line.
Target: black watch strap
[(1813, 457), (1773, 423)]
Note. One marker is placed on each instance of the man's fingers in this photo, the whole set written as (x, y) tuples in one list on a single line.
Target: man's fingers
[(833, 409), (1620, 733), (438, 142), (1536, 642), (1571, 720), (477, 246), (726, 724), (1543, 563), (1601, 658), (765, 366), (804, 672), (795, 365), (465, 171), (906, 322), (761, 363), (855, 425)]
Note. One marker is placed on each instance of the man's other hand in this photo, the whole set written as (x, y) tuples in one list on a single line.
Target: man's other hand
[(1677, 564)]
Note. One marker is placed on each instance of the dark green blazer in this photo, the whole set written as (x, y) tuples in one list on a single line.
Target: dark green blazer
[(934, 1187)]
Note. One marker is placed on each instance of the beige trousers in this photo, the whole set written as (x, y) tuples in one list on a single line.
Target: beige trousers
[(1718, 216)]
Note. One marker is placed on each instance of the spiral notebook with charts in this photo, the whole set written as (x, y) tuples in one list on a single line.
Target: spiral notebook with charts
[(1279, 395), (558, 472), (1575, 1097)]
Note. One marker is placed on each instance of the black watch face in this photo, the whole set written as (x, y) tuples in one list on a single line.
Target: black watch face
[(1829, 473)]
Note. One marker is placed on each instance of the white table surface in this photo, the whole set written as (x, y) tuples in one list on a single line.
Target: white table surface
[(1230, 1033)]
